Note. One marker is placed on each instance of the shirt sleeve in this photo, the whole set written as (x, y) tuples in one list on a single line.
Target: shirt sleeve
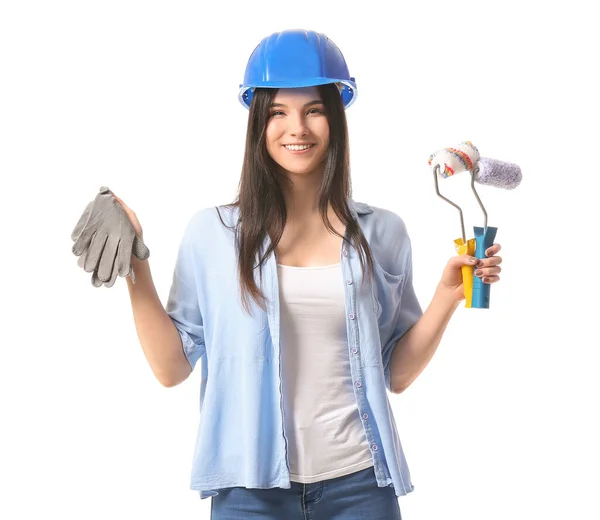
[(183, 304), (407, 314)]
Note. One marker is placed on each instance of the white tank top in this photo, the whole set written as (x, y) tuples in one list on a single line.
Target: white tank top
[(326, 437)]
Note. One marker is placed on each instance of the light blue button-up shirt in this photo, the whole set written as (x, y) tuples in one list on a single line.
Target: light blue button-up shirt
[(241, 439)]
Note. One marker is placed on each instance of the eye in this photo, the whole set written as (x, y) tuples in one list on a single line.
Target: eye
[(316, 111), (276, 112)]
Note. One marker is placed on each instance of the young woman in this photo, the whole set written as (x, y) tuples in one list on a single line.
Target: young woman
[(299, 302)]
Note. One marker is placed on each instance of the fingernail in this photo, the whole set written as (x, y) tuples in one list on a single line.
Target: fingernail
[(479, 272), (488, 252), (480, 263), (473, 260)]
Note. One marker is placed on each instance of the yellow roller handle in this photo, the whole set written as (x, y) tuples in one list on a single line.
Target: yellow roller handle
[(467, 270)]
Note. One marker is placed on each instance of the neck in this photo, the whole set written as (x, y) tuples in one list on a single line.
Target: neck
[(302, 198)]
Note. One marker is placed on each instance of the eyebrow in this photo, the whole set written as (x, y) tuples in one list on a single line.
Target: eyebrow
[(313, 102)]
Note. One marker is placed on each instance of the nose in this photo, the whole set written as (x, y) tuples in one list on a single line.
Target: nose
[(298, 125)]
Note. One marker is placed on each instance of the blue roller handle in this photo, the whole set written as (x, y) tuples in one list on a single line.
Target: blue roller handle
[(484, 238)]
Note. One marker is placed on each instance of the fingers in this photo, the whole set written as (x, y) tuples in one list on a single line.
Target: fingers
[(81, 261), (488, 269), (113, 277), (102, 253), (107, 262), (493, 250), (82, 258), (490, 279), (83, 240), (124, 257), (489, 273), (140, 250), (131, 216), (109, 269), (94, 252), (125, 207), (88, 224), (82, 221), (96, 282), (460, 260), (489, 262)]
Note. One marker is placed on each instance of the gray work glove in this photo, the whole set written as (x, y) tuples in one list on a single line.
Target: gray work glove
[(105, 240)]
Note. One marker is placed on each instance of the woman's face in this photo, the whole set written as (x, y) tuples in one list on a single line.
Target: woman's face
[(298, 130)]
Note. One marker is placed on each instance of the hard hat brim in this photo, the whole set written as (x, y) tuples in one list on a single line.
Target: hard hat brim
[(348, 92)]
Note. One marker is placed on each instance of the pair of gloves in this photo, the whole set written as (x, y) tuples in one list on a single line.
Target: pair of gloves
[(104, 241)]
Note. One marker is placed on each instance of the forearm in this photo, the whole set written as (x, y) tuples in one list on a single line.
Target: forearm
[(415, 349), (156, 331)]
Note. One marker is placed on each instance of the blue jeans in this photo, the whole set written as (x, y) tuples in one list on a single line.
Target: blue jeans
[(351, 497)]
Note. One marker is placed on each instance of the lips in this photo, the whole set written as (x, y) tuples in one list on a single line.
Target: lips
[(298, 147)]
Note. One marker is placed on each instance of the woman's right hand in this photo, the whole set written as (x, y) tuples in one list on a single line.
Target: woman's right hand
[(137, 227)]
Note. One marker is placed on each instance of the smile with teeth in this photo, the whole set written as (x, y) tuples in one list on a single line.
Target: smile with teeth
[(297, 147)]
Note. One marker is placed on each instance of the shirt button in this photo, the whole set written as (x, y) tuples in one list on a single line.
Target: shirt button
[(375, 448), (349, 281), (354, 350), (365, 416), (358, 384), (352, 316), (345, 252)]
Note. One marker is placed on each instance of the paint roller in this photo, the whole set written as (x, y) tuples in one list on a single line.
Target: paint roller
[(499, 174)]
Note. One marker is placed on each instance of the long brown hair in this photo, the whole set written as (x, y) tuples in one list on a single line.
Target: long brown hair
[(260, 199)]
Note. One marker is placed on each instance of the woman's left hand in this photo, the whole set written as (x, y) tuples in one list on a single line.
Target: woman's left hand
[(488, 269)]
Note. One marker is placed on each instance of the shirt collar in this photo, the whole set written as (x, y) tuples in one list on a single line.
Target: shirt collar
[(356, 208), (359, 208)]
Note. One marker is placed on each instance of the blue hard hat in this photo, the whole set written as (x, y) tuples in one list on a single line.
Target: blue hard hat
[(296, 58)]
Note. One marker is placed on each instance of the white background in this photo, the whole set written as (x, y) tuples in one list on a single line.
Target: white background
[(142, 97)]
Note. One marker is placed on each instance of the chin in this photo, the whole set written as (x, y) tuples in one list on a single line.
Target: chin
[(307, 170), (296, 170), (301, 167)]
